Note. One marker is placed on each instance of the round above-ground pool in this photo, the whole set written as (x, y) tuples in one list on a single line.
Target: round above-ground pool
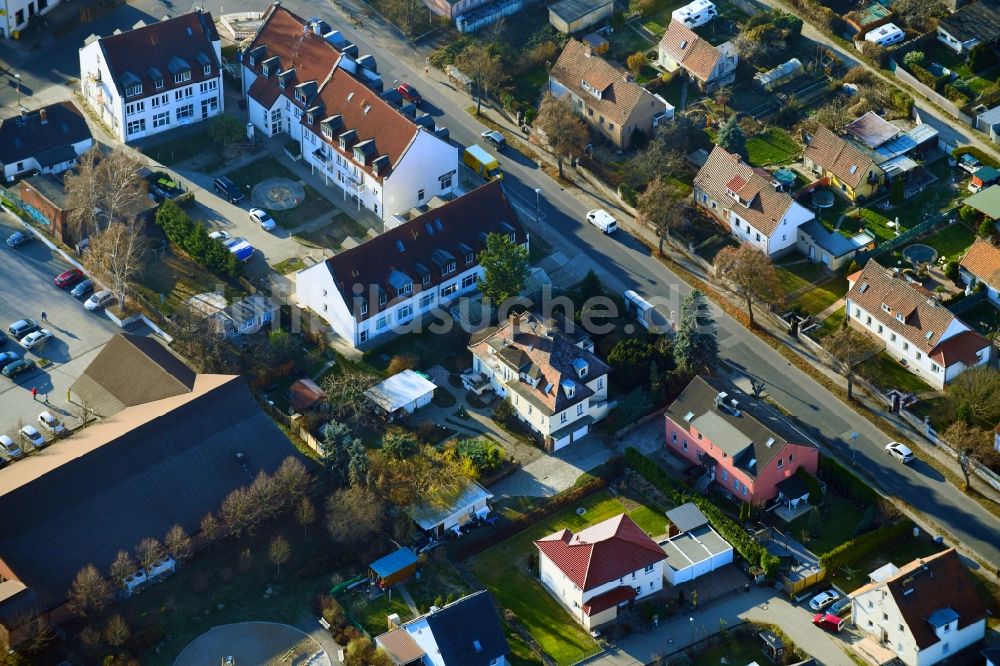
[(823, 198), (919, 253)]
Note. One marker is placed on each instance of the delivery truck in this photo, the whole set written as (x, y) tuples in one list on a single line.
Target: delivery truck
[(480, 161)]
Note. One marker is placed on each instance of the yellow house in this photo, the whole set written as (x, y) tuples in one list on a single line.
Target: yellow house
[(850, 170)]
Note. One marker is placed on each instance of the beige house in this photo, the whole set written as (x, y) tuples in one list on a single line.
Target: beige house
[(710, 66), (607, 97), (849, 170)]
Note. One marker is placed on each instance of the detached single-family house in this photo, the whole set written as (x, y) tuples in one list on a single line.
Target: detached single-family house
[(572, 16), (918, 332), (595, 571), (401, 394), (606, 97), (48, 140), (872, 130), (977, 23), (981, 264), (466, 632), (155, 77), (385, 283), (693, 548), (925, 611), (710, 66), (556, 384), (437, 517), (850, 171), (748, 203), (745, 447)]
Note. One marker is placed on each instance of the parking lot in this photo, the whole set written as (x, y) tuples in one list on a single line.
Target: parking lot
[(27, 290)]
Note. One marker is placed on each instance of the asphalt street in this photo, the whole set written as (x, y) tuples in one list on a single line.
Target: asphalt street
[(621, 261)]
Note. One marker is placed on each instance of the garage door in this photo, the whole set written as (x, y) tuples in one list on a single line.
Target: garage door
[(582, 432), (559, 443)]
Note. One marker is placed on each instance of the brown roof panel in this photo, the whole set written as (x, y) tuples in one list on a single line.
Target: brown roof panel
[(983, 261), (400, 646), (838, 157)]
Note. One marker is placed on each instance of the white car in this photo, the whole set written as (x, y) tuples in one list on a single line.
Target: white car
[(261, 217), (51, 424), (100, 299), (603, 220), (899, 451), (36, 339), (12, 450), (220, 236), (823, 599), (30, 434)]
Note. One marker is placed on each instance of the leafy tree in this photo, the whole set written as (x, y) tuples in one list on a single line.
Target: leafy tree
[(562, 130), (479, 63), (849, 348), (986, 229), (972, 444), (484, 454), (751, 276), (400, 444), (630, 359), (305, 515), (636, 62), (361, 652), (354, 516), (969, 216), (951, 271), (89, 592), (978, 389), (589, 287), (695, 344), (279, 552), (663, 207), (731, 137), (981, 57), (505, 269), (178, 543), (914, 58), (123, 567), (116, 633), (225, 130)]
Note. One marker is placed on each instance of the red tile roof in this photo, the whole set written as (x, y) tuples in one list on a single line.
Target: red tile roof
[(983, 261), (601, 553), (287, 36), (693, 53), (960, 348), (609, 599)]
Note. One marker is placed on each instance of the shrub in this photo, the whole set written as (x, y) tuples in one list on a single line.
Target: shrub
[(192, 238), (402, 362), (981, 58), (628, 195), (484, 455), (914, 58), (951, 271), (503, 412), (986, 228), (866, 521), (862, 546)]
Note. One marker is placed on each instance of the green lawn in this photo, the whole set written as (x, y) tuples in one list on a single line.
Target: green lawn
[(774, 146), (314, 205), (798, 276), (840, 518), (830, 324), (290, 265), (816, 300), (865, 218), (658, 18), (900, 552), (952, 242), (430, 349), (503, 569), (528, 86), (885, 373), (732, 651), (372, 614), (180, 149)]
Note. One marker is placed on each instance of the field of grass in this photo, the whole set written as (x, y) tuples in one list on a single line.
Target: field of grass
[(952, 242), (884, 372), (180, 149), (865, 218), (314, 205), (774, 146), (816, 300), (900, 552), (732, 651), (657, 20), (830, 324), (840, 518), (504, 570), (798, 276)]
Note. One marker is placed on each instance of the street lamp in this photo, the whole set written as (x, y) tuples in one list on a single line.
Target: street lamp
[(17, 86), (538, 201), (692, 630), (854, 447)]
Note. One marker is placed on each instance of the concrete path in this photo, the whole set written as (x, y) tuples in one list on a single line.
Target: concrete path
[(405, 593), (838, 305)]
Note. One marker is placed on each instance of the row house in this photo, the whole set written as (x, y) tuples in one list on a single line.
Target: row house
[(389, 281), (154, 77)]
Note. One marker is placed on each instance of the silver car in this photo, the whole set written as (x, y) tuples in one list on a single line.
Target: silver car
[(29, 433), (100, 299), (12, 450), (51, 424)]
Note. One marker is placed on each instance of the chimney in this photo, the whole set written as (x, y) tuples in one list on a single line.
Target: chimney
[(588, 50), (41, 116)]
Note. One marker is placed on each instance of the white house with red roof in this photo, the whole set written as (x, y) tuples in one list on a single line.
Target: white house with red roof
[(601, 568)]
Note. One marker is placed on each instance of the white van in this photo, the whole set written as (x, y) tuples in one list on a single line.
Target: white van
[(639, 308), (603, 220), (885, 35), (695, 14)]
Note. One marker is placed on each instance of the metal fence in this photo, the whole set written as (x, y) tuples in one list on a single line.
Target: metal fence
[(903, 238)]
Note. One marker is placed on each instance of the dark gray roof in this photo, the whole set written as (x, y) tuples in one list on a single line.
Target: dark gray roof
[(49, 185), (57, 155), (172, 469), (17, 603), (794, 487), (468, 631), (571, 10), (833, 242), (132, 370), (755, 436), (980, 20), (686, 517), (27, 136)]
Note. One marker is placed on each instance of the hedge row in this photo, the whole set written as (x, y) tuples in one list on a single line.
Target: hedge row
[(743, 543), (812, 484), (862, 546), (846, 482)]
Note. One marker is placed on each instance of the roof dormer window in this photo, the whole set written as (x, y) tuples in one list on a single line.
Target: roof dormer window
[(364, 307), (899, 317), (886, 308), (591, 89), (133, 90), (182, 76), (206, 70), (158, 83), (383, 298)]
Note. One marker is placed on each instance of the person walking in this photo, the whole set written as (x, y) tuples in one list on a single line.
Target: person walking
[(45, 316), (34, 393)]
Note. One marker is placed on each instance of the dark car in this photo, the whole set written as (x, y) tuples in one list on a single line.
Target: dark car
[(22, 327), (410, 93), (81, 291), (228, 190), (496, 138), (19, 238), (6, 358), (17, 367), (69, 278)]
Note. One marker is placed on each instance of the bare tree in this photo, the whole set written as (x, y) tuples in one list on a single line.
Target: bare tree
[(123, 188), (563, 131), (479, 63), (750, 274), (116, 253), (345, 390), (89, 593), (662, 207), (116, 633), (354, 515), (305, 514), (103, 189), (149, 552), (123, 567), (178, 543), (291, 480), (83, 194), (236, 512), (279, 552), (264, 501), (971, 442), (850, 348), (210, 528)]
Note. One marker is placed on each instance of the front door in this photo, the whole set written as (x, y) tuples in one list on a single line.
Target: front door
[(205, 106), (812, 252)]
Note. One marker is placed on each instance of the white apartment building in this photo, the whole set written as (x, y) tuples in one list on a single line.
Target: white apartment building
[(599, 569), (924, 612), (154, 77), (556, 384), (918, 332), (393, 279), (18, 13)]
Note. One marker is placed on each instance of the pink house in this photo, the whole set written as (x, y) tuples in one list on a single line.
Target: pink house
[(749, 450)]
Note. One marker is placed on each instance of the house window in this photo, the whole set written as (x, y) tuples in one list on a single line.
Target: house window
[(638, 588), (781, 463), (182, 93), (382, 322), (186, 111), (892, 337), (158, 83), (470, 257), (449, 290), (383, 298), (206, 70), (563, 417), (448, 268), (857, 313), (425, 300), (420, 195), (161, 119), (743, 491), (885, 616), (579, 409), (445, 181), (684, 445), (600, 383), (725, 475), (181, 77), (611, 127), (880, 329), (945, 648), (134, 89), (649, 568), (468, 281), (790, 458), (364, 307), (208, 86), (906, 346), (736, 483), (918, 356), (425, 279), (136, 126), (406, 289), (325, 308), (869, 321), (935, 368), (404, 312), (673, 437)]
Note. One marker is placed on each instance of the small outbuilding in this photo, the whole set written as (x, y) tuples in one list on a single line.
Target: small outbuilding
[(393, 568), (780, 75), (403, 393), (304, 394), (694, 548), (436, 518), (570, 16)]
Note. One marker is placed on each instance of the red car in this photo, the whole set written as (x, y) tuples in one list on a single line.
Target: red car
[(69, 278), (410, 93), (829, 621)]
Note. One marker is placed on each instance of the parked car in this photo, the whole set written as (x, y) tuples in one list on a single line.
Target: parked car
[(69, 278), (6, 358), (228, 190), (51, 424), (409, 93), (36, 339), (30, 434), (823, 599), (220, 235), (22, 327), (82, 290), (10, 449), (17, 367), (496, 138), (19, 238), (603, 220), (3, 338), (261, 217), (829, 621), (841, 607), (899, 451), (100, 299)]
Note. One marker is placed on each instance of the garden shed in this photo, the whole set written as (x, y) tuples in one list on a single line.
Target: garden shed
[(393, 568), (403, 393), (569, 16)]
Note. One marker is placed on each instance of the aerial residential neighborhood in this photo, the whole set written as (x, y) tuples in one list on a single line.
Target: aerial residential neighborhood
[(486, 332)]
